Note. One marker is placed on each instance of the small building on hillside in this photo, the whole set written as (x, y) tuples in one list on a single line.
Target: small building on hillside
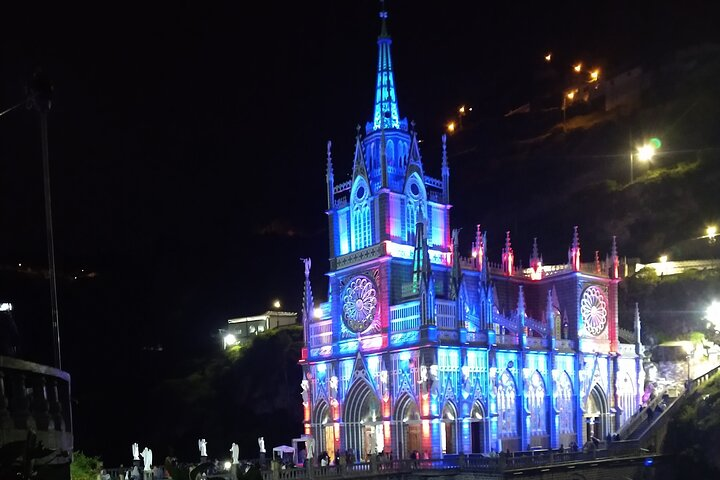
[(244, 329)]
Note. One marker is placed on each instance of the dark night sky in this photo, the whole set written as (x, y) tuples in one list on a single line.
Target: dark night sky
[(187, 139)]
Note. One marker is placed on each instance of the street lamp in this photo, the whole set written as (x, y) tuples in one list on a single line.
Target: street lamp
[(711, 232), (644, 153), (276, 304), (712, 315)]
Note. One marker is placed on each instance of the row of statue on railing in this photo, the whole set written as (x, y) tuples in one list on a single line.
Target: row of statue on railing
[(147, 455)]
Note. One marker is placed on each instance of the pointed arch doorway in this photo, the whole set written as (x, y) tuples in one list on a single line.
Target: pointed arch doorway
[(409, 426), (363, 421), (448, 429), (477, 427), (595, 415)]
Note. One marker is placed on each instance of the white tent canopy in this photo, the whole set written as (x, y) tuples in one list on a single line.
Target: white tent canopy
[(284, 449)]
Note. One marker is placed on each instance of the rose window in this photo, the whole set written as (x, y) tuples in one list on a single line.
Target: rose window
[(359, 303), (593, 308)]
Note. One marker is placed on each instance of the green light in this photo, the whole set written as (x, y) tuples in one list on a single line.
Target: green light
[(655, 142)]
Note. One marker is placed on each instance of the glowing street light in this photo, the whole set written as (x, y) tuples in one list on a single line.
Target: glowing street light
[(578, 68), (711, 232), (229, 340), (712, 314), (461, 110), (451, 127), (594, 75), (548, 57), (570, 95), (646, 152), (276, 304), (5, 307)]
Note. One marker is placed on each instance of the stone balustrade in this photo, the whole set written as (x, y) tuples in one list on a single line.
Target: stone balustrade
[(35, 397)]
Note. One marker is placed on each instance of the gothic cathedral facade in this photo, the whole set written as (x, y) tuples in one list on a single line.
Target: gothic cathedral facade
[(420, 349)]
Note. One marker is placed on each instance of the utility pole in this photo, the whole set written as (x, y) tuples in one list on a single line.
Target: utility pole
[(40, 100)]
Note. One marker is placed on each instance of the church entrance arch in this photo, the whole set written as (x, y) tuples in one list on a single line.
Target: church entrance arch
[(409, 427), (595, 415), (324, 430), (448, 430), (363, 421), (477, 427)]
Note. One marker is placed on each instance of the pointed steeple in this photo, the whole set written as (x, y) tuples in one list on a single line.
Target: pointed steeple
[(614, 260), (484, 272), (423, 283), (478, 248), (521, 301), (386, 114), (456, 277), (598, 268), (359, 160), (308, 302), (508, 258), (536, 262), (445, 171), (637, 325), (574, 251), (330, 177)]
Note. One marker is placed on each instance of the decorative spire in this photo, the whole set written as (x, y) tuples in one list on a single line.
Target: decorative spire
[(574, 251), (422, 276), (484, 272), (330, 177), (521, 301), (508, 257), (445, 171), (536, 262), (308, 302), (598, 267), (383, 160), (478, 249), (614, 260), (386, 113), (456, 271), (359, 161), (637, 323)]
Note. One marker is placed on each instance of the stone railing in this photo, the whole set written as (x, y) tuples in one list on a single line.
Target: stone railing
[(36, 398)]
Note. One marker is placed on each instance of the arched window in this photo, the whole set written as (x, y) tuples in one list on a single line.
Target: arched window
[(565, 408), (361, 232), (507, 409), (390, 152), (410, 218), (626, 397), (535, 396)]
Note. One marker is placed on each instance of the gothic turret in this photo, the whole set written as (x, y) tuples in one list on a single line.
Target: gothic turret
[(574, 251), (330, 178), (445, 171), (536, 262), (508, 257), (386, 114)]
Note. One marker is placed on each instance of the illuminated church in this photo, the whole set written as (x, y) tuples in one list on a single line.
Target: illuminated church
[(420, 349)]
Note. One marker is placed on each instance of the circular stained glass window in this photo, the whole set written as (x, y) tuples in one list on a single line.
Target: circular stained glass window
[(359, 300), (414, 189), (593, 307), (360, 192)]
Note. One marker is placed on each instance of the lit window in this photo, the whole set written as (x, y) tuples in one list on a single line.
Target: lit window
[(252, 328)]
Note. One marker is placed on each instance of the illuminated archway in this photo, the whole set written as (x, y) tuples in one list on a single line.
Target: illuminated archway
[(508, 412), (595, 414), (324, 430), (448, 430), (626, 396), (363, 421), (565, 409), (478, 420), (409, 427), (535, 398)]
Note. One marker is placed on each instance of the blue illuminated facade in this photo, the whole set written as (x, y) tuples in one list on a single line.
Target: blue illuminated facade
[(421, 349)]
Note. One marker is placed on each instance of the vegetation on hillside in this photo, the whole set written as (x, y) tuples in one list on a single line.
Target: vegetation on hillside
[(694, 434)]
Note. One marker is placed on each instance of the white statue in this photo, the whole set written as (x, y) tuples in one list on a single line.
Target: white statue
[(136, 451), (305, 385), (309, 446), (202, 446), (261, 444), (235, 451), (308, 264), (147, 458)]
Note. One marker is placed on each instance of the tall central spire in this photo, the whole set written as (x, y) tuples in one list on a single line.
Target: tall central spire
[(386, 113)]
